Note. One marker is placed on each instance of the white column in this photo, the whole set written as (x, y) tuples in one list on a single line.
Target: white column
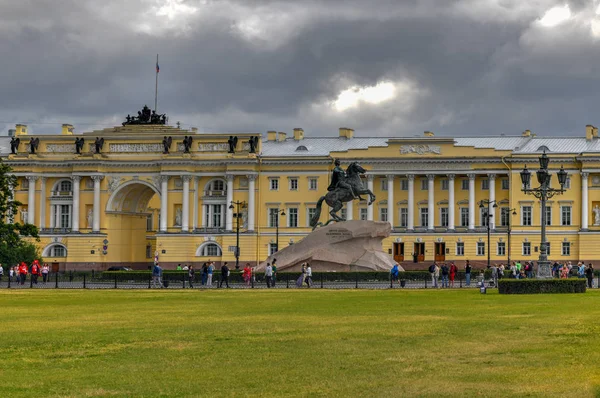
[(75, 221), (584, 201), (52, 216), (185, 204), (223, 212), (411, 202), (229, 220), (57, 216), (211, 216), (390, 199), (96, 224), (451, 202), (204, 215), (492, 199), (195, 206), (370, 178), (349, 210), (31, 200), (430, 202), (471, 201), (251, 205), (42, 223), (164, 202)]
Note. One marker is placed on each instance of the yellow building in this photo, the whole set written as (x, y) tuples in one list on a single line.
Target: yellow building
[(122, 204)]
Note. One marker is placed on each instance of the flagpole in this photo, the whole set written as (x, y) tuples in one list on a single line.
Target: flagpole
[(156, 87)]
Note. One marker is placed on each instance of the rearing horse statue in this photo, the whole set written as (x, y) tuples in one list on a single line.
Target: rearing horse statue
[(336, 198)]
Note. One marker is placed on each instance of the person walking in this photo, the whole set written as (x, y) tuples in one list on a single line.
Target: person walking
[(445, 273), (45, 271), (432, 268), (395, 272), (23, 273), (581, 269), (156, 276), (300, 280), (268, 275), (468, 273), (274, 266), (247, 274), (1, 271), (436, 274), (11, 274), (308, 279), (494, 275), (224, 275), (453, 271), (589, 273), (204, 273), (35, 271), (209, 273), (191, 275), (564, 271), (500, 271)]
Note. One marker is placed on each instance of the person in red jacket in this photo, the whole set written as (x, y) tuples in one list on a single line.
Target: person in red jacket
[(23, 272), (35, 271), (453, 271)]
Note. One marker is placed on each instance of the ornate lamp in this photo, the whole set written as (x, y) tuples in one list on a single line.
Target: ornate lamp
[(562, 177), (544, 161), (525, 177)]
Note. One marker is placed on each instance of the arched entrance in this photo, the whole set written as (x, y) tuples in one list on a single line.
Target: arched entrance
[(133, 218)]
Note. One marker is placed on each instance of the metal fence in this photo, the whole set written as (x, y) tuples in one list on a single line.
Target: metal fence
[(80, 280)]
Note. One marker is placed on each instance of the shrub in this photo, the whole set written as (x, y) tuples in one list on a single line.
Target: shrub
[(534, 286)]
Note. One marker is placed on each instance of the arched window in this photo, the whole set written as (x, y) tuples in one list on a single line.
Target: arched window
[(56, 250), (543, 148), (65, 186), (301, 148), (209, 249)]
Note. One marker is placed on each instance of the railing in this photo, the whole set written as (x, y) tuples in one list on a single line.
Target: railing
[(214, 193), (60, 231), (61, 193)]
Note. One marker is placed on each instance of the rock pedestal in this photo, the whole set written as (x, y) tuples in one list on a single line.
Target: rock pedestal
[(342, 247)]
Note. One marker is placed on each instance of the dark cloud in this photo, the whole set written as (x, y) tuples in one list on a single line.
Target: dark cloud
[(461, 67)]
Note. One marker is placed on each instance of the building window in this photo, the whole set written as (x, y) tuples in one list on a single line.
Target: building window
[(565, 215), (292, 217), (65, 216), (383, 214), (480, 248), (312, 184), (464, 184), (293, 184), (363, 213), (504, 217), (566, 248), (501, 249), (548, 248), (424, 216), (424, 184), (149, 222), (65, 186), (58, 251), (527, 248), (384, 184), (484, 218), (444, 216), (505, 185), (211, 249), (274, 184), (460, 248), (548, 215), (464, 216), (272, 248), (526, 215), (404, 185), (444, 184), (568, 182), (311, 213), (148, 251), (273, 217), (485, 184), (403, 217)]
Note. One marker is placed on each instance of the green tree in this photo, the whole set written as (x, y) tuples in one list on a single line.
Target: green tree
[(13, 247)]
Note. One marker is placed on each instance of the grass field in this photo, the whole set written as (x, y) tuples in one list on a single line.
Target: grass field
[(298, 343)]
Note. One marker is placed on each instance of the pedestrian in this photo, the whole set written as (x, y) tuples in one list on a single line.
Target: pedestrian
[(564, 272), (1, 271), (500, 271), (589, 273), (581, 269), (209, 273), (204, 273), (432, 268), (35, 271), (247, 274), (274, 266), (518, 266), (269, 274), (436, 274), (45, 271), (178, 267), (308, 279), (11, 274), (445, 272), (300, 280), (395, 272), (23, 273), (185, 267), (494, 275), (468, 273), (453, 271), (224, 275), (191, 275), (156, 276), (513, 271)]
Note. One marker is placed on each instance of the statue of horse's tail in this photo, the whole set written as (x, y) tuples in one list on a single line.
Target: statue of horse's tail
[(315, 219)]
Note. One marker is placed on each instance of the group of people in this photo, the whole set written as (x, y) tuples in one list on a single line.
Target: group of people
[(448, 274), (206, 272), (19, 272)]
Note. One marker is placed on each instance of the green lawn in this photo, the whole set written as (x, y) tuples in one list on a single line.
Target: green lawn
[(298, 343)]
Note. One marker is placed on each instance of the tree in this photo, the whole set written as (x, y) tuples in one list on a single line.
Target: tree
[(13, 247)]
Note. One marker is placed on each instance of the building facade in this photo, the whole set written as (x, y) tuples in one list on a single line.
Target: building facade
[(131, 197)]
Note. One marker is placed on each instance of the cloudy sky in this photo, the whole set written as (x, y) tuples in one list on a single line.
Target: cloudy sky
[(382, 67)]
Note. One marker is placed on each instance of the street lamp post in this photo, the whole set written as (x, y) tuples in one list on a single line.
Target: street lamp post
[(487, 216), (543, 193), (279, 212), (237, 216), (514, 213)]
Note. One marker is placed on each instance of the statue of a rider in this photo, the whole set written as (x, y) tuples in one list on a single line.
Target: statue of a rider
[(338, 179)]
